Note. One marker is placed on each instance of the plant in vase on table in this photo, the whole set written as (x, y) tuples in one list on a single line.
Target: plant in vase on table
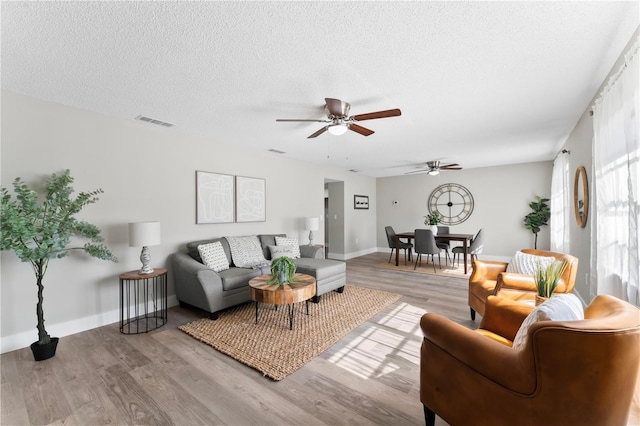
[(433, 219), (39, 227), (547, 279), (283, 270)]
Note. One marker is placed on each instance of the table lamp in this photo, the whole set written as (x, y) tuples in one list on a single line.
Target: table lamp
[(312, 224), (144, 234)]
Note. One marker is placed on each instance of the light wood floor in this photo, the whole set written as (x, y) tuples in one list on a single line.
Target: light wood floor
[(166, 377)]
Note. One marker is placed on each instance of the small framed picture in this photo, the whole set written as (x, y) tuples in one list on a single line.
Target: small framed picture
[(361, 202)]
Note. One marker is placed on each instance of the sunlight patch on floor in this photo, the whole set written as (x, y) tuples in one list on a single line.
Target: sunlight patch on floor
[(386, 347)]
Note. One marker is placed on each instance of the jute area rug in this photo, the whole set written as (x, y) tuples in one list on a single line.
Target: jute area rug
[(270, 347), (426, 268)]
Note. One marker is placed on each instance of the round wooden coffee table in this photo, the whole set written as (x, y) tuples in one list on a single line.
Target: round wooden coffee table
[(301, 289)]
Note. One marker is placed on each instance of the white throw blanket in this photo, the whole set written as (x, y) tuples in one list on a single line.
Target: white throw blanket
[(246, 252)]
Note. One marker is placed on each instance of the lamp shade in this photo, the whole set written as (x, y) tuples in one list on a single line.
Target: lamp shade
[(312, 223), (142, 234)]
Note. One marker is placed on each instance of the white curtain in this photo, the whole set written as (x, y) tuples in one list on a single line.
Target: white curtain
[(616, 154), (560, 207)]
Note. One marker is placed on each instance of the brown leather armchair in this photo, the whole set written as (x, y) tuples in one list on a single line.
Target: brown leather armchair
[(490, 278), (568, 373)]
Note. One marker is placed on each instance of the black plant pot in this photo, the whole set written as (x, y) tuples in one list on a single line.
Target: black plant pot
[(42, 352)]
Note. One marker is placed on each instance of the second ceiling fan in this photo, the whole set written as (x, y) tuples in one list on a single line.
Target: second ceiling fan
[(339, 120), (434, 167)]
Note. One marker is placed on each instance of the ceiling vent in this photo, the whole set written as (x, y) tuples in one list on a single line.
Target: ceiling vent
[(275, 151), (154, 121)]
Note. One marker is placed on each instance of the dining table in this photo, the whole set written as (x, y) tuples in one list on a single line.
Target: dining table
[(464, 238)]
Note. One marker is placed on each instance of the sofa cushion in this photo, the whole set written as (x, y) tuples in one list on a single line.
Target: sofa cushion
[(192, 248), (237, 277), (524, 263), (213, 256), (267, 240), (290, 241), (320, 268), (559, 307)]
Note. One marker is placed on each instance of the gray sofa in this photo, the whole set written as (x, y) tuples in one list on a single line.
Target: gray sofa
[(202, 287)]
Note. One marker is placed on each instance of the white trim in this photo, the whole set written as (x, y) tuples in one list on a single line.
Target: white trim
[(26, 338)]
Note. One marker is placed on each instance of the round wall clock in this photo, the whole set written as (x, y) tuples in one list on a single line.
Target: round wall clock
[(454, 203)]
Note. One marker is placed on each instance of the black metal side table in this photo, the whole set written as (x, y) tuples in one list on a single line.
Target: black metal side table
[(143, 301)]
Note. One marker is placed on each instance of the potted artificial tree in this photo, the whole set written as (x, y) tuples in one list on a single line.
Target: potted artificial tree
[(547, 279), (39, 227), (538, 217), (433, 219), (283, 270)]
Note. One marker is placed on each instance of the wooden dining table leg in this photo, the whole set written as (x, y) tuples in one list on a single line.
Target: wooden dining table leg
[(397, 250), (465, 256)]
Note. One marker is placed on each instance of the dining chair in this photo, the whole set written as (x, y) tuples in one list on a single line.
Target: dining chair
[(425, 243), (474, 249), (444, 245), (391, 239)]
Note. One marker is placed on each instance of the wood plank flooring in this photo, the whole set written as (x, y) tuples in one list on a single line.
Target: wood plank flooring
[(371, 377)]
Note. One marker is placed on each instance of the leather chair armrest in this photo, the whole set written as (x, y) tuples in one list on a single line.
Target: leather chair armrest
[(513, 281), (504, 316), (487, 270), (493, 360)]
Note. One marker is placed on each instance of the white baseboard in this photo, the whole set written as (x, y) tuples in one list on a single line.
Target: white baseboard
[(24, 339), (348, 256)]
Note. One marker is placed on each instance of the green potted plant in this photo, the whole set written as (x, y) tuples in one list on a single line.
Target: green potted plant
[(538, 217), (433, 219), (39, 227), (283, 270), (547, 279)]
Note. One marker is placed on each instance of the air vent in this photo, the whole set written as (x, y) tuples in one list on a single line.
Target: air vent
[(275, 151), (154, 121)]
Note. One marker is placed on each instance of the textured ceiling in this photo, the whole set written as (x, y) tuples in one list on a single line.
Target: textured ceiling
[(478, 83)]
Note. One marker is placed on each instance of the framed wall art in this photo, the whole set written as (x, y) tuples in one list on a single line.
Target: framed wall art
[(361, 202), (251, 199), (214, 198)]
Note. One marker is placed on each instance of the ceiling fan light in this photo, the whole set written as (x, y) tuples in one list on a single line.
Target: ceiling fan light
[(338, 129), (433, 172)]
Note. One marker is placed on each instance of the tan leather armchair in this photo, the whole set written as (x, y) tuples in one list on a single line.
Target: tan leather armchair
[(568, 373), (490, 278)]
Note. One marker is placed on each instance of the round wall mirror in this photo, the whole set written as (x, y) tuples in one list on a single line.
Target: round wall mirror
[(581, 196)]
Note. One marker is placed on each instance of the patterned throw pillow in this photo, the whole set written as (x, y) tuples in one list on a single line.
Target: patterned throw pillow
[(559, 307), (213, 256), (524, 263), (246, 251), (279, 251), (293, 242)]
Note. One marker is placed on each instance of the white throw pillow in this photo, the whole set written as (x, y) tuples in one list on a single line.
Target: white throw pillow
[(279, 251), (213, 256), (293, 242), (524, 263), (559, 307)]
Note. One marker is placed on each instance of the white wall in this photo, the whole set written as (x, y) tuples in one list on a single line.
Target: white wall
[(147, 172), (501, 200)]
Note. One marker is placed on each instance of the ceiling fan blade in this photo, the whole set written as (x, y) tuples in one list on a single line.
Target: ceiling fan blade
[(359, 129), (334, 106), (378, 114), (453, 166), (417, 171), (302, 119), (318, 133)]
